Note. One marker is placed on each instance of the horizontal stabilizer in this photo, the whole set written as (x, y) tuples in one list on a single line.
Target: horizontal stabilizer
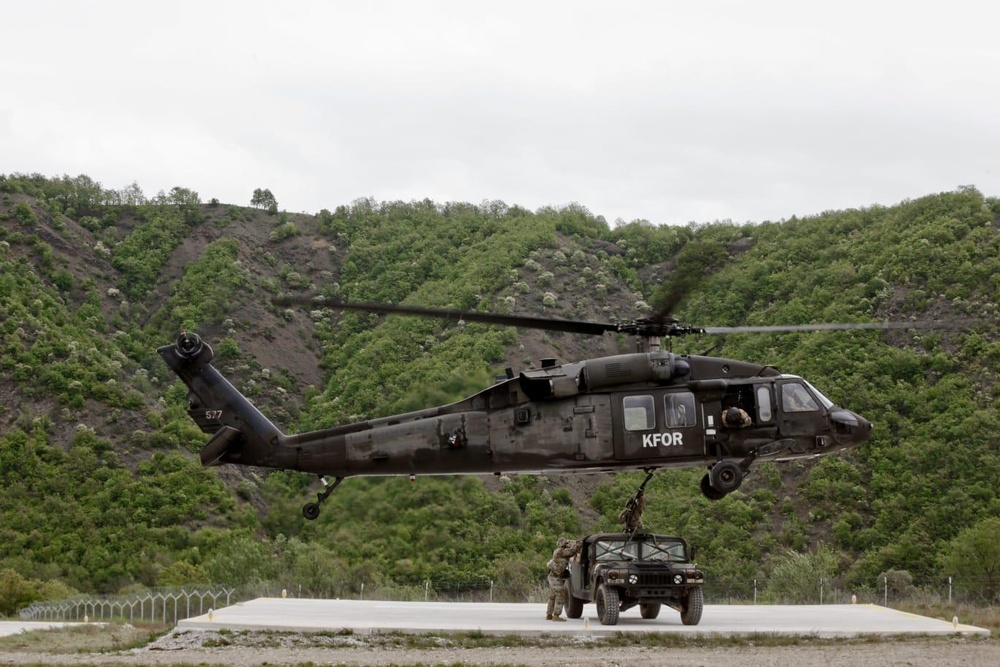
[(224, 438)]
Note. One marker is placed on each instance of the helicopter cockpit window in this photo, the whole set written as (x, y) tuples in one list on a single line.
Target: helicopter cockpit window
[(639, 413), (795, 398), (679, 409)]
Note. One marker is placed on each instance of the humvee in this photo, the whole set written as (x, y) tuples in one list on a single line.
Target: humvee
[(618, 571)]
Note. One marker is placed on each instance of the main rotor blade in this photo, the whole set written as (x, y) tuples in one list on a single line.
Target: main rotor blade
[(693, 264), (546, 323), (782, 328)]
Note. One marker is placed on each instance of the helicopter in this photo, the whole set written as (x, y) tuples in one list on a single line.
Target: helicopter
[(645, 410)]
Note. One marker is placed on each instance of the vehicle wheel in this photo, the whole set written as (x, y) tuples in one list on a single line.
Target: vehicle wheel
[(607, 605), (691, 612), (650, 609), (574, 605), (709, 491), (725, 477), (310, 511)]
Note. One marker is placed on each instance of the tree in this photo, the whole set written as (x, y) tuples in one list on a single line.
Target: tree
[(974, 558), (797, 576), (15, 592), (264, 199)]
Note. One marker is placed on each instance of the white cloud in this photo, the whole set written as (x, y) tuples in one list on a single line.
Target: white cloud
[(667, 111)]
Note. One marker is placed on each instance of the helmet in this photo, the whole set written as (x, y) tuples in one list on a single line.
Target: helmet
[(562, 542)]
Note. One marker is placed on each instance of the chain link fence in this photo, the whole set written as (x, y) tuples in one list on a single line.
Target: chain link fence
[(166, 606), (171, 605)]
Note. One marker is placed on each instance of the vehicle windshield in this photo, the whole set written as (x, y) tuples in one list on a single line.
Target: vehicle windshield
[(656, 549)]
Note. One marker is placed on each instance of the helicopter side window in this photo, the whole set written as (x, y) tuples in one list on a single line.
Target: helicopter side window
[(679, 409), (764, 404), (639, 413), (795, 398)]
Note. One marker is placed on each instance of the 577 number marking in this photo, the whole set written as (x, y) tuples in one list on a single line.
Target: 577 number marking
[(213, 414)]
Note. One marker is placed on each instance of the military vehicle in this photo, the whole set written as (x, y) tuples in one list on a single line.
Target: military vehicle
[(618, 571)]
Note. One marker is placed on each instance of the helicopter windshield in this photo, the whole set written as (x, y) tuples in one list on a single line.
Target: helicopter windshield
[(795, 397), (827, 403)]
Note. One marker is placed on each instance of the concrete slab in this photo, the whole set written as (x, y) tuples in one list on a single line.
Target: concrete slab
[(8, 628), (370, 616)]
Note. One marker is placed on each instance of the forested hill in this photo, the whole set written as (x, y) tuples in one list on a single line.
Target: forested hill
[(102, 490)]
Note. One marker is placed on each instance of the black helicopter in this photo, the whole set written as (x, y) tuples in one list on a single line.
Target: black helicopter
[(646, 410)]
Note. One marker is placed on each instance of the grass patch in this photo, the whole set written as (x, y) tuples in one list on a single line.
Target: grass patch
[(88, 638), (981, 617)]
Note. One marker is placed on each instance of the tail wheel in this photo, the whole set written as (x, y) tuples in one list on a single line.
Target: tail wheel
[(725, 477), (608, 605), (574, 605), (693, 605)]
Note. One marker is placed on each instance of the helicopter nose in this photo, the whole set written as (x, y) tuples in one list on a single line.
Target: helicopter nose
[(851, 429)]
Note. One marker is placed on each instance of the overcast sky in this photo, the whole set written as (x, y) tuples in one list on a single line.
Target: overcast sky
[(665, 111)]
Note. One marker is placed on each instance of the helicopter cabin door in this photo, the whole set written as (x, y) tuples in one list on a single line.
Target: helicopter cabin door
[(657, 424), (800, 411)]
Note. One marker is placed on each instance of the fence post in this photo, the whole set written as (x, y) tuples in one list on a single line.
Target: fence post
[(885, 593), (949, 590)]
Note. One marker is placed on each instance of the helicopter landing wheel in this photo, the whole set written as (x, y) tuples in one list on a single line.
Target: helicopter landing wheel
[(725, 476), (311, 510), (708, 491)]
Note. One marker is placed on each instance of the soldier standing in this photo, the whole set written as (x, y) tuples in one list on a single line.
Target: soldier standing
[(557, 583), (631, 516)]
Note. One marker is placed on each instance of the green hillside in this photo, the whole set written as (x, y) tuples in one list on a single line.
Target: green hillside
[(102, 490)]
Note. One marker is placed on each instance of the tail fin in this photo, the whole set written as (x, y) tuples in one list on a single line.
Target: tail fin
[(240, 433)]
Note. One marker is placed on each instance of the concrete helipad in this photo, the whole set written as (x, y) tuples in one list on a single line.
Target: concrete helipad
[(370, 616)]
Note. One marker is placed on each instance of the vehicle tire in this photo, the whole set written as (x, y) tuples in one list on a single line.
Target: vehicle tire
[(708, 491), (650, 609), (574, 605), (691, 612), (310, 511), (725, 477), (607, 605)]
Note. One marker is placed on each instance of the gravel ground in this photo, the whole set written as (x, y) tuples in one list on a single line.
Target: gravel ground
[(251, 649)]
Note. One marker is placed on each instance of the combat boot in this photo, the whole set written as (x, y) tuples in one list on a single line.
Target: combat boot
[(548, 617), (557, 617)]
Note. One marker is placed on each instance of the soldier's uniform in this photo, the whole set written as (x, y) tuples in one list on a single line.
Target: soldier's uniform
[(631, 516), (557, 585)]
